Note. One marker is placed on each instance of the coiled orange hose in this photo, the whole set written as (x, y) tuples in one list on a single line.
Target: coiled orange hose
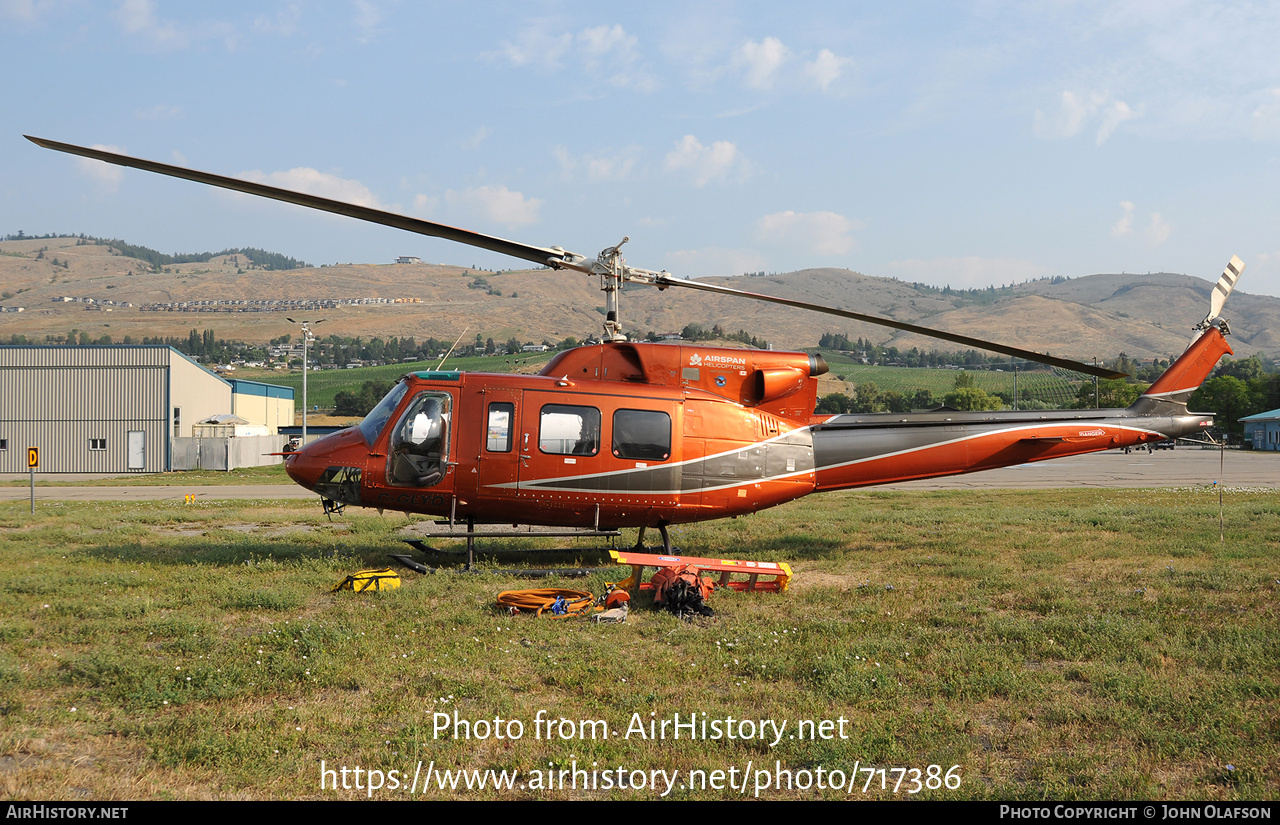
[(577, 602)]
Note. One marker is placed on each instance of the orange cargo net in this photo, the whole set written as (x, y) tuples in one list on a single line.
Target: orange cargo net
[(747, 576)]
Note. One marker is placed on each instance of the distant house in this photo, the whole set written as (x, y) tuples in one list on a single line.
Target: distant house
[(408, 259)]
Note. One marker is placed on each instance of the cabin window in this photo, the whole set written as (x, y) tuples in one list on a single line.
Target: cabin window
[(497, 437), (371, 426), (569, 430), (419, 448), (642, 434)]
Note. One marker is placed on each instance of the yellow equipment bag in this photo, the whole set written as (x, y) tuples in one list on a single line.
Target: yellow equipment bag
[(365, 580)]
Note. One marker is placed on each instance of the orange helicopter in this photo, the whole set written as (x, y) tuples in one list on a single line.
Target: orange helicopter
[(629, 434)]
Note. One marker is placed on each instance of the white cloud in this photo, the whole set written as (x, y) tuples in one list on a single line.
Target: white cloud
[(605, 52), (1114, 115), (1125, 225), (284, 23), (157, 112), (476, 139), (825, 233), (600, 40), (598, 168), (609, 50), (425, 204), (367, 20), (105, 175), (1158, 230), (495, 203), (718, 162), (535, 46), (714, 261), (28, 11), (137, 17), (1265, 121), (314, 182), (1075, 111), (1067, 121), (761, 61), (826, 68), (969, 272)]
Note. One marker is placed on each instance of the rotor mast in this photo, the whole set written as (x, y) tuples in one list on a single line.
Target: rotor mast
[(614, 272)]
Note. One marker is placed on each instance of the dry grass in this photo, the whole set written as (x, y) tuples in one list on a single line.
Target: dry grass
[(1088, 645)]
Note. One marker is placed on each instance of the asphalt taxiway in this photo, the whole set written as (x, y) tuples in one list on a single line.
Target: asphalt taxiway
[(1164, 468)]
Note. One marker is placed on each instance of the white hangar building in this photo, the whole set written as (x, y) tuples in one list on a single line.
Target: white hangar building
[(104, 409)]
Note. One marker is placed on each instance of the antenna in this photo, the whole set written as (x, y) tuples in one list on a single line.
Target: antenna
[(450, 352)]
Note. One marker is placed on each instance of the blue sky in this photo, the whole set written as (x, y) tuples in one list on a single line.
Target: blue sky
[(963, 144)]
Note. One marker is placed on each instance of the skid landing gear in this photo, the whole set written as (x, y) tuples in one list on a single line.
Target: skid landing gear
[(445, 530), (666, 540)]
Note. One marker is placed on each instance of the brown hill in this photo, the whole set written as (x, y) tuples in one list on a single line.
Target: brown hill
[(1098, 315)]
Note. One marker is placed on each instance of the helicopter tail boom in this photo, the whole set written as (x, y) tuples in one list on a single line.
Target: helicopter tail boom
[(882, 448)]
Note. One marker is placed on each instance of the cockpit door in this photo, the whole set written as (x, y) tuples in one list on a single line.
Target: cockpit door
[(420, 447)]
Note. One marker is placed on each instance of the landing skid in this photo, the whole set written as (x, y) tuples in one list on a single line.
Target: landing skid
[(470, 535), (666, 541), (449, 530)]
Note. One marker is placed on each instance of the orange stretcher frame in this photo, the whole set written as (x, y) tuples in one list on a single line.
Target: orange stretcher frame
[(760, 576)]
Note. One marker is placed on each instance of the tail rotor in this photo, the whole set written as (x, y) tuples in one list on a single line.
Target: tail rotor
[(1221, 290)]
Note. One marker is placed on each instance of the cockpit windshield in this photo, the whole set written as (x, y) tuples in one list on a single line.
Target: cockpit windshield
[(377, 418)]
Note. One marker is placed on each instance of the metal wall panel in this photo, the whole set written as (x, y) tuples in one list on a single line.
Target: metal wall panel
[(70, 393), (226, 453), (197, 392), (185, 455), (65, 446), (59, 398), (261, 409), (34, 356), (254, 451)]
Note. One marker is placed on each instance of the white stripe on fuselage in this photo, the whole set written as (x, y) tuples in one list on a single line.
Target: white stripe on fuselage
[(536, 484), (1073, 424)]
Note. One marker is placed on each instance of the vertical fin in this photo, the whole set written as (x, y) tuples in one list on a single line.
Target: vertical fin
[(1187, 373)]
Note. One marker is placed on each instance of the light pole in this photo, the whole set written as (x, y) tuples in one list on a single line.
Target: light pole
[(307, 338)]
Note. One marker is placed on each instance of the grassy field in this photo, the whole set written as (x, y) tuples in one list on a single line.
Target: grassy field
[(323, 386), (1059, 644), (1044, 385), (269, 474)]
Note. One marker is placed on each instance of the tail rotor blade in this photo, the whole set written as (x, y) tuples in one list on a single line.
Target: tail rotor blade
[(1224, 286)]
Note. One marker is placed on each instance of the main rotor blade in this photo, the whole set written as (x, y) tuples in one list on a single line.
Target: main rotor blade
[(976, 343), (536, 254)]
